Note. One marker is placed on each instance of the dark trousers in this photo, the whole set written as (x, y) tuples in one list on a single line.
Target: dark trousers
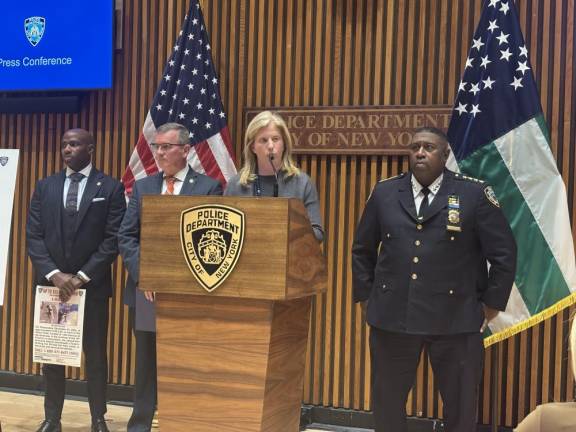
[(457, 364), (94, 346), (145, 386)]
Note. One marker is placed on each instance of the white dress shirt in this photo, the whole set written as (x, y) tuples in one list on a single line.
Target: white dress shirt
[(180, 177), (81, 185), (417, 190)]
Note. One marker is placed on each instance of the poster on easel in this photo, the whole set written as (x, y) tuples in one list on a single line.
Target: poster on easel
[(58, 327), (8, 171)]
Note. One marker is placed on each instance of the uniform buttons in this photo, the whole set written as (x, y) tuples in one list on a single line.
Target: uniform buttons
[(415, 259), (451, 292), (383, 286), (419, 227), (414, 276), (452, 238), (387, 235), (417, 242)]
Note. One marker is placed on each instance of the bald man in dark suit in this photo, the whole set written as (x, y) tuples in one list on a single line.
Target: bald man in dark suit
[(71, 236)]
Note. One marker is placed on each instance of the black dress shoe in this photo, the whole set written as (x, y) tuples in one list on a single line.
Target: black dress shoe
[(50, 426), (99, 425)]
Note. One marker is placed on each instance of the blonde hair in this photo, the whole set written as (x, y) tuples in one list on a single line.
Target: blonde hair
[(262, 120)]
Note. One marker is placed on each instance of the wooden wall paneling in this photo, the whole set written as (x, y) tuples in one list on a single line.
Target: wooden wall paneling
[(277, 54), (348, 341), (502, 355), (25, 297), (133, 119), (22, 297), (338, 286), (535, 381), (410, 64), (453, 12), (507, 402), (360, 46), (298, 53), (426, 54), (319, 302), (557, 350), (545, 371), (568, 98), (534, 12), (399, 77), (337, 351), (388, 76), (299, 40), (556, 67), (545, 65), (431, 396), (359, 191), (308, 85), (261, 65), (374, 58)]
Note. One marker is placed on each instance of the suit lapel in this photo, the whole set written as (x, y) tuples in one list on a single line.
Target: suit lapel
[(406, 197), (93, 185), (189, 183), (158, 185), (57, 200)]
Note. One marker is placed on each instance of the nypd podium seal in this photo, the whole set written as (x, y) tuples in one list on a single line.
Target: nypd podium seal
[(212, 238)]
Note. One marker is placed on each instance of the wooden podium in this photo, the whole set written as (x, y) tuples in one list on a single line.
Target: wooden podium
[(232, 359)]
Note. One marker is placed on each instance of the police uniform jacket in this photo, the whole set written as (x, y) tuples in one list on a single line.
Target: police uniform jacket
[(419, 276)]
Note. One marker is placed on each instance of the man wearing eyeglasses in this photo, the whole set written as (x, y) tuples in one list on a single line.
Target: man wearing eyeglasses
[(171, 147)]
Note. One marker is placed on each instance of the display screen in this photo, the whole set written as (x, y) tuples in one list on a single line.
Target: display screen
[(56, 45)]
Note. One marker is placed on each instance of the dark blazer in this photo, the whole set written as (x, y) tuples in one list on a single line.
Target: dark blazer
[(95, 242), (418, 276), (129, 234)]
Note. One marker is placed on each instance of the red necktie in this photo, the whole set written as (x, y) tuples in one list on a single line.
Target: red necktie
[(170, 185)]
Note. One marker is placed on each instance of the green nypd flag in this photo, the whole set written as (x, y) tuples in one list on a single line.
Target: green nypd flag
[(498, 134)]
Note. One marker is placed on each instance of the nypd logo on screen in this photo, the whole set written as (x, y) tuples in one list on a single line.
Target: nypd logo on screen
[(34, 29)]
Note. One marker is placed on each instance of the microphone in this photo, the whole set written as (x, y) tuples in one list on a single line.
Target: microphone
[(271, 160)]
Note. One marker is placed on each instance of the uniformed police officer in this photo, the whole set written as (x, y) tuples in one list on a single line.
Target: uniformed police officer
[(419, 263)]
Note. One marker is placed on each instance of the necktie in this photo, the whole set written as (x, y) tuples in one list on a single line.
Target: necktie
[(72, 196), (170, 185), (424, 204)]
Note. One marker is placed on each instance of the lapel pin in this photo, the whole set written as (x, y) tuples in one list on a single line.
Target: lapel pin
[(99, 184)]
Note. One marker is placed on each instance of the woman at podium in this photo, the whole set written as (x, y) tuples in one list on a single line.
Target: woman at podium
[(269, 169)]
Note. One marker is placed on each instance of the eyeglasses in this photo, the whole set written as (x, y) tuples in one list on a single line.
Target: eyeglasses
[(164, 147)]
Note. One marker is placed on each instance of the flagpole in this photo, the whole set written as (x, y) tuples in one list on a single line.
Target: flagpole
[(494, 387)]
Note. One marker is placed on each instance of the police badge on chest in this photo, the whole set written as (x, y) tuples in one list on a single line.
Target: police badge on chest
[(453, 222)]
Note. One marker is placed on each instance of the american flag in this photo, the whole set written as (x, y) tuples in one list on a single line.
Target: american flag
[(188, 94)]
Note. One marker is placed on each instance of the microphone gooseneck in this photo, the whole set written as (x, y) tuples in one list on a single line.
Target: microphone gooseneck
[(271, 160)]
